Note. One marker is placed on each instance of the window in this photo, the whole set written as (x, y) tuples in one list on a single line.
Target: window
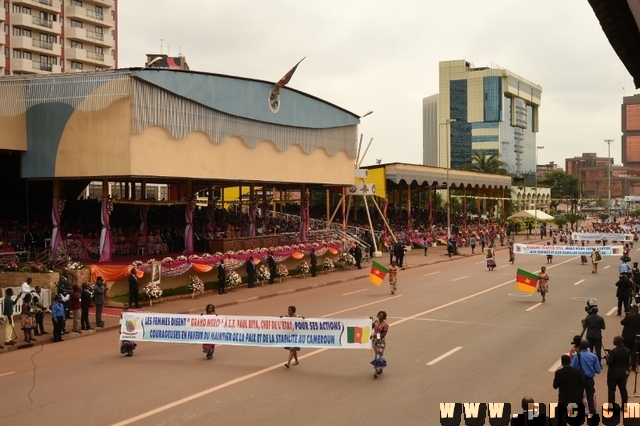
[(6, 7), (76, 3), (113, 34), (99, 69), (53, 39), (99, 30), (44, 37), (26, 55), (6, 52), (99, 50), (76, 65), (17, 54), (26, 11), (99, 10), (76, 24), (17, 31), (26, 33), (44, 16), (17, 8), (76, 44)]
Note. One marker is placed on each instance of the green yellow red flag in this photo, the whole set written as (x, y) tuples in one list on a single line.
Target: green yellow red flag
[(526, 281), (358, 334), (378, 272)]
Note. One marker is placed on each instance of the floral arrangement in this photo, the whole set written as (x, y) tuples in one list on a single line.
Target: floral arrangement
[(61, 204), (304, 267), (328, 265), (192, 204), (75, 266), (192, 257), (234, 280), (347, 259), (9, 266), (137, 263), (181, 258), (282, 270), (196, 285), (205, 255), (168, 260), (151, 261), (153, 291), (110, 206), (263, 274), (37, 267)]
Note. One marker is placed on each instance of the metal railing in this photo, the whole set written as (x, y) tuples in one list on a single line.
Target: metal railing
[(41, 22), (41, 66), (95, 15), (47, 2), (94, 35), (42, 44), (95, 55)]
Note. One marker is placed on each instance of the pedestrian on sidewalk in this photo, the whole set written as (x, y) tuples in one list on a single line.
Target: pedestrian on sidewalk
[(314, 262), (85, 303), (208, 348), (222, 277), (58, 318), (251, 273), (99, 297), (75, 306), (134, 287), (271, 261), (293, 350)]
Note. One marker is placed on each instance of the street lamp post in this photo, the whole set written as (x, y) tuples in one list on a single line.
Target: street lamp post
[(449, 121), (609, 142), (535, 201)]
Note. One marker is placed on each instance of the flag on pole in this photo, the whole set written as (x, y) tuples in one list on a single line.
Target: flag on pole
[(378, 272), (526, 281), (286, 79)]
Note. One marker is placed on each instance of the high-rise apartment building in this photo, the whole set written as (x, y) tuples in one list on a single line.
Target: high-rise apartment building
[(631, 131), (53, 36), (490, 109)]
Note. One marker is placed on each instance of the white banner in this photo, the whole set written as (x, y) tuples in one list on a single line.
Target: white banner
[(362, 189), (608, 236), (566, 250), (351, 333)]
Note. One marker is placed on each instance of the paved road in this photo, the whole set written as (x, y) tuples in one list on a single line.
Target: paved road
[(501, 347)]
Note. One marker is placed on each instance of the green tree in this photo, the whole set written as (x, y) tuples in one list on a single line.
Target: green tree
[(564, 187), (482, 162), (603, 216), (560, 221), (635, 213), (573, 218)]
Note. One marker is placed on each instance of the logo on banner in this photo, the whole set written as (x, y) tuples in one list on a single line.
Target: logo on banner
[(363, 189), (130, 326), (274, 100)]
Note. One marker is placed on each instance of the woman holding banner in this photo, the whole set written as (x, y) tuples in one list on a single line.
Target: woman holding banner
[(378, 337), (543, 283), (293, 351), (209, 348)]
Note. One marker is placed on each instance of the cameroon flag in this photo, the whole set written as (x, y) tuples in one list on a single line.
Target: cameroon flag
[(378, 272), (358, 334), (526, 281)]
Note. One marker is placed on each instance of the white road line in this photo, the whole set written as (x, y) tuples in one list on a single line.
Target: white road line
[(358, 291), (441, 357), (607, 267), (477, 263), (6, 374), (614, 309), (437, 272), (534, 306), (361, 306), (461, 278), (310, 354), (578, 282), (555, 366)]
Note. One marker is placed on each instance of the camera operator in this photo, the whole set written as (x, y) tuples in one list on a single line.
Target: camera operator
[(631, 327), (623, 293), (594, 324), (618, 363)]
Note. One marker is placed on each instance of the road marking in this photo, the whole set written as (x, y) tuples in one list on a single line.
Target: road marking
[(579, 282), (310, 354), (477, 263), (361, 306), (555, 366), (358, 291), (519, 294), (437, 272), (607, 267), (614, 309), (7, 374), (461, 278), (534, 306), (503, 266), (443, 356)]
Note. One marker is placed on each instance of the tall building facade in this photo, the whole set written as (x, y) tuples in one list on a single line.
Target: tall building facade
[(484, 108), (53, 36), (631, 132)]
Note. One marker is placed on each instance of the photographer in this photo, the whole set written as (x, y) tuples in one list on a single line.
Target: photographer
[(618, 363), (631, 327), (594, 325), (623, 293)]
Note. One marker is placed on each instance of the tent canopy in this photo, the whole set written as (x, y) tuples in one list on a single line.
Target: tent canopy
[(525, 214)]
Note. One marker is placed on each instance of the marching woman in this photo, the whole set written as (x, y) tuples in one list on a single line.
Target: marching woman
[(393, 276), (583, 258), (209, 348), (512, 256), (28, 318), (543, 283), (293, 351), (378, 337), (126, 346)]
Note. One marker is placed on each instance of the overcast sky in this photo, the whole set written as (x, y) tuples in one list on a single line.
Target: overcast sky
[(383, 56)]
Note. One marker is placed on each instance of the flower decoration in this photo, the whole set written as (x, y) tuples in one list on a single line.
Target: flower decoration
[(168, 260), (75, 266), (153, 291), (61, 204), (151, 261), (137, 263), (196, 285), (347, 259), (282, 270), (192, 257), (110, 205), (263, 274), (37, 266), (304, 267), (181, 258), (206, 255), (234, 280), (328, 265)]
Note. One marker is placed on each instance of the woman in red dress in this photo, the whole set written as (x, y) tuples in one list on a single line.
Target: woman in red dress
[(208, 348)]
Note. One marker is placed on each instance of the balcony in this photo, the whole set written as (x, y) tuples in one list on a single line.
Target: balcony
[(88, 36), (86, 57), (83, 14), (35, 45), (33, 22), (103, 3), (95, 55), (43, 68), (52, 6)]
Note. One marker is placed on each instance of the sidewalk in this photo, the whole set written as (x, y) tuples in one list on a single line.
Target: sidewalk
[(186, 305)]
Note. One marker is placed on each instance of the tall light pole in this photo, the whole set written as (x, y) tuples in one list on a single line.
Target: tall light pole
[(449, 121), (609, 142), (535, 201)]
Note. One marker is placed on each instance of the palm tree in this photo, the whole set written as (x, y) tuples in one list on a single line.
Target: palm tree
[(486, 163)]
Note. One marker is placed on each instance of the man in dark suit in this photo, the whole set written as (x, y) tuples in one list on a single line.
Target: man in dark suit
[(399, 254), (623, 293), (532, 414), (272, 267), (631, 327), (222, 277), (251, 272), (134, 286), (357, 255), (314, 262), (570, 384), (618, 363)]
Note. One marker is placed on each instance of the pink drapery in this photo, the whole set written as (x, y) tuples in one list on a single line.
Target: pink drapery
[(188, 229), (211, 215), (144, 226), (56, 238), (105, 234), (304, 217)]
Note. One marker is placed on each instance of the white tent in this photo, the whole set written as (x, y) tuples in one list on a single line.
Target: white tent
[(531, 214)]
